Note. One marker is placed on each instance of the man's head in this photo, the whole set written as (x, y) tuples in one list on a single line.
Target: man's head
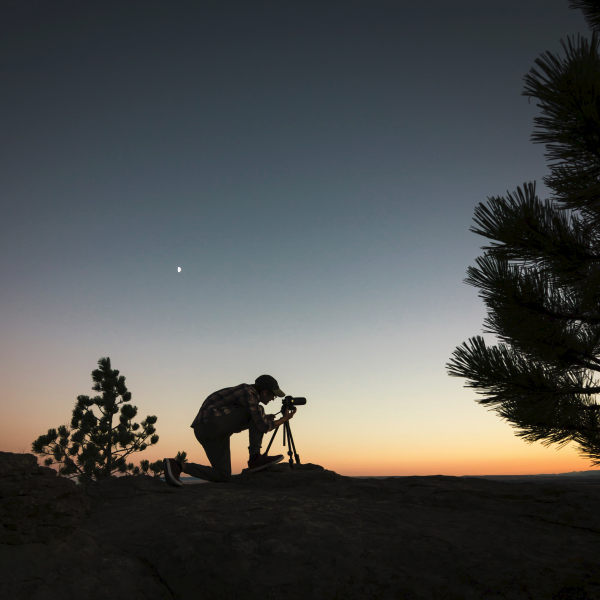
[(267, 388)]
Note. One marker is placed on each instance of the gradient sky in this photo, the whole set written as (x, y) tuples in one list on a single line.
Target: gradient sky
[(313, 168)]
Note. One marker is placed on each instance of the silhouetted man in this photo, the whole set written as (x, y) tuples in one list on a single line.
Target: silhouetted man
[(224, 413)]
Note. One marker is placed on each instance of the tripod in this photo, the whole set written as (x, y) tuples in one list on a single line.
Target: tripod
[(286, 428)]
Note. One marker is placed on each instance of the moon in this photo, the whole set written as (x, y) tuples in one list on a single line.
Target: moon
[(179, 269)]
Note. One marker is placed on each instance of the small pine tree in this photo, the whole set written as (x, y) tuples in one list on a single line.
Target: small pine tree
[(93, 447), (156, 468), (181, 457)]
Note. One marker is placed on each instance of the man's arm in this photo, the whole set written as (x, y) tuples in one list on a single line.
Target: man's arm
[(262, 422)]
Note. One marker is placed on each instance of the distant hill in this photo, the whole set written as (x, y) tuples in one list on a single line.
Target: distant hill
[(592, 473)]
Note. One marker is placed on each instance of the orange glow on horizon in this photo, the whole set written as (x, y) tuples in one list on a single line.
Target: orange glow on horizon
[(344, 465)]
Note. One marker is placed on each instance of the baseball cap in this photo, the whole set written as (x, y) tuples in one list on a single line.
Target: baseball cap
[(266, 382)]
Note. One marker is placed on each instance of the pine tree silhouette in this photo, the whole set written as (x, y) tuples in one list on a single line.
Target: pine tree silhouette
[(94, 446), (540, 276)]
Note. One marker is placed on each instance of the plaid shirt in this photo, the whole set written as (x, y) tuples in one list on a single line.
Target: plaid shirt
[(224, 401)]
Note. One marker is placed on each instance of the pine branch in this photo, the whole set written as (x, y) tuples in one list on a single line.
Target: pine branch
[(504, 374), (527, 231), (579, 428), (590, 10), (570, 127)]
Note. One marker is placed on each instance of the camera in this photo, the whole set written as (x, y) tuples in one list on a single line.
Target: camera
[(289, 402)]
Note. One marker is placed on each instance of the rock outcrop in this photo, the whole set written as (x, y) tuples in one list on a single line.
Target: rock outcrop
[(309, 533), (35, 504)]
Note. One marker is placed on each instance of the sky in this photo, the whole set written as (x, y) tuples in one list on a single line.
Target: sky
[(313, 168)]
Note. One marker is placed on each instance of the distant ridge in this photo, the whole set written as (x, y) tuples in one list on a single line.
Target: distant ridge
[(592, 473), (575, 474)]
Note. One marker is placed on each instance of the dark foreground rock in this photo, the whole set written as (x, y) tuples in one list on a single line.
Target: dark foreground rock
[(35, 504), (312, 534)]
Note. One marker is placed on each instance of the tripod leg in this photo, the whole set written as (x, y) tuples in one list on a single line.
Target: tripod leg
[(292, 445), (272, 438), (289, 435)]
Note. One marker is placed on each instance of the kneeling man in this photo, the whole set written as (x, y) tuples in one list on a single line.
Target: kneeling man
[(222, 414)]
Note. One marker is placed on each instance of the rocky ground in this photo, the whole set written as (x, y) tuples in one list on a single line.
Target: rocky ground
[(303, 534)]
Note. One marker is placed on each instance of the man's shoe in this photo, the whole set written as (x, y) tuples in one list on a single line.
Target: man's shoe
[(263, 462), (172, 472)]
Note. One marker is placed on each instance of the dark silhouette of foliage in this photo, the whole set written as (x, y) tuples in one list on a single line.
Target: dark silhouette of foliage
[(590, 10), (93, 446), (540, 276), (156, 468), (181, 457)]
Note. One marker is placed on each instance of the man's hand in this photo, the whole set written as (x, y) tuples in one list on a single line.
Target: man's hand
[(287, 415)]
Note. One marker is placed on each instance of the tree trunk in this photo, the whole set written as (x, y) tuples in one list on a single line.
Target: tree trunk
[(109, 446)]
